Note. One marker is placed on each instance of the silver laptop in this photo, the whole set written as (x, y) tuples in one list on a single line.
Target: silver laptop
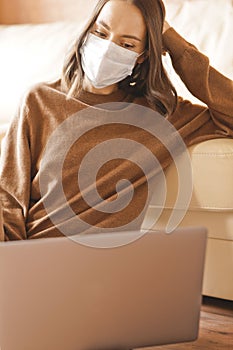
[(57, 294)]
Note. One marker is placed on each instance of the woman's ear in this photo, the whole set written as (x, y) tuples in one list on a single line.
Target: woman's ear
[(142, 57)]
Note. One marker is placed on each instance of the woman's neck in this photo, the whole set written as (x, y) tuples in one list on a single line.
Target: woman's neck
[(87, 86)]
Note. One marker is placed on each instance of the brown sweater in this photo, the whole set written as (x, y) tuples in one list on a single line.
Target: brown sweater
[(45, 107)]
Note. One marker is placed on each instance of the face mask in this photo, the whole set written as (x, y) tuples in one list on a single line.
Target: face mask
[(104, 62)]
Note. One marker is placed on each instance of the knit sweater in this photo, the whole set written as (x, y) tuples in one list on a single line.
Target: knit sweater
[(42, 155)]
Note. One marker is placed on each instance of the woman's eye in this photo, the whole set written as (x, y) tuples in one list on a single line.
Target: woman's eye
[(100, 34), (128, 46)]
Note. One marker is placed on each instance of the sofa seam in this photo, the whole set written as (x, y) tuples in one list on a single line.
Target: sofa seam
[(204, 208), (212, 154)]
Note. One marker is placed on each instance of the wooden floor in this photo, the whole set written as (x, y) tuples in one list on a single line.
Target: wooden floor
[(216, 328)]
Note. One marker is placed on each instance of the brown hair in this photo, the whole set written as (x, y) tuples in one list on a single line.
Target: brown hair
[(149, 78)]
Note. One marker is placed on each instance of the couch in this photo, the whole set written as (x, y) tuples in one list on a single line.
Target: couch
[(34, 37)]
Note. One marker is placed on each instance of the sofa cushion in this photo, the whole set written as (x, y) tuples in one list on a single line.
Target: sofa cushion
[(30, 54), (212, 166)]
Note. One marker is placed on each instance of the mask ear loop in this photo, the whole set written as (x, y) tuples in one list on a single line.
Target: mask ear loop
[(135, 75), (136, 71)]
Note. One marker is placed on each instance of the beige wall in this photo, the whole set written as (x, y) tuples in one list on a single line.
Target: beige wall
[(31, 11)]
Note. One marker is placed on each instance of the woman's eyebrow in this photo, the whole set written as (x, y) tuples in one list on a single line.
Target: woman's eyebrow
[(103, 24), (131, 37), (123, 36)]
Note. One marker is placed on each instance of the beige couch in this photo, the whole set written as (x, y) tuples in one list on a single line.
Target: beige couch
[(32, 51), (208, 25)]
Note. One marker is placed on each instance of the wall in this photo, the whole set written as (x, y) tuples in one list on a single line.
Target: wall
[(39, 11)]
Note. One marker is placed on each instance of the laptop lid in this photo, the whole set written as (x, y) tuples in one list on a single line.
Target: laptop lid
[(57, 294)]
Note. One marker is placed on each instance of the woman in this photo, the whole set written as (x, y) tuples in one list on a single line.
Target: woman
[(117, 58)]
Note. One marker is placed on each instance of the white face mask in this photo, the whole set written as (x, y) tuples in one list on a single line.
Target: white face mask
[(104, 62)]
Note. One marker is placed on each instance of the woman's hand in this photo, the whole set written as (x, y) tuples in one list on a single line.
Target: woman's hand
[(166, 26)]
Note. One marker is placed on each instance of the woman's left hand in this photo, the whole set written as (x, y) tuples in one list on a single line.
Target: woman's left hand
[(166, 26)]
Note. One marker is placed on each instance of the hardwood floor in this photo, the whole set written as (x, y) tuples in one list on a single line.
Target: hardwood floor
[(216, 328)]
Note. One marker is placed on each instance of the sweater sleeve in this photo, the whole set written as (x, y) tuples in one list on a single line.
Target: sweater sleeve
[(205, 83), (15, 177)]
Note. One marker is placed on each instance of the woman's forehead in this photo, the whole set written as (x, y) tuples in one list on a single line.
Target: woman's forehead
[(123, 17)]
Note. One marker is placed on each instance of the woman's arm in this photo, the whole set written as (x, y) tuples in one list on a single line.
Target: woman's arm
[(203, 81), (15, 176)]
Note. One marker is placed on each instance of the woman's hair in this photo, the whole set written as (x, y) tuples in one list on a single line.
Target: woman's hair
[(149, 78)]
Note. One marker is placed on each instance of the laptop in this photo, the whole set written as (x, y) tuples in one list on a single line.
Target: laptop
[(60, 294)]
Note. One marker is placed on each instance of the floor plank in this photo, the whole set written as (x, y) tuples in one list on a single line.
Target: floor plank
[(216, 328), (217, 306)]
